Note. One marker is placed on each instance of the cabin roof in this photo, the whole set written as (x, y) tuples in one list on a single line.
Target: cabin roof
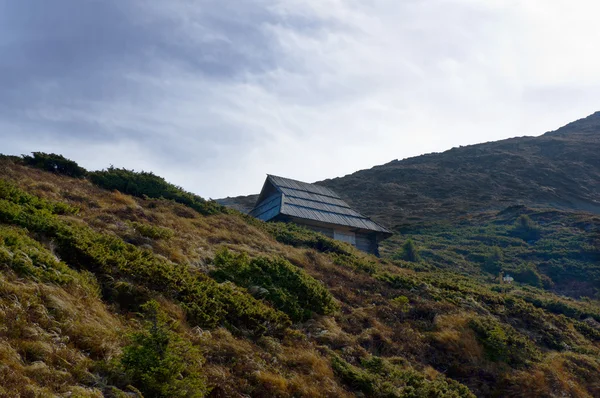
[(310, 202)]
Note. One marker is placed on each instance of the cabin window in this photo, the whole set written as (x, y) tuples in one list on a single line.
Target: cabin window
[(345, 236)]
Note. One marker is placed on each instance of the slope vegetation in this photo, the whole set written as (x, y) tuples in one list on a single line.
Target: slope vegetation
[(151, 291), (560, 169)]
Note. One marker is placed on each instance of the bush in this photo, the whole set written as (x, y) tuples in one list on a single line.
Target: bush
[(55, 163), (526, 229), (493, 262), (528, 274), (402, 303), (355, 263), (152, 231), (379, 378), (207, 303), (13, 195), (503, 343), (289, 288), (150, 185), (159, 363), (356, 378), (409, 252), (297, 236)]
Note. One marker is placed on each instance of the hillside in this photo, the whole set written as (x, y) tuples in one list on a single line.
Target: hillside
[(116, 283), (560, 169), (556, 250)]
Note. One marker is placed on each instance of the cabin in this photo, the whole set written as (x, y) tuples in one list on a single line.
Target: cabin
[(317, 208)]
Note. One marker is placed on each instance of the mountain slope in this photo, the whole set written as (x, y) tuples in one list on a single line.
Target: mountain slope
[(103, 293), (560, 169)]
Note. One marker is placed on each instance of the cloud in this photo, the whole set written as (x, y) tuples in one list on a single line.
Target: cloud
[(213, 95)]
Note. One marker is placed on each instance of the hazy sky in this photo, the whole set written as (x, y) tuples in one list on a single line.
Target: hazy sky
[(213, 95)]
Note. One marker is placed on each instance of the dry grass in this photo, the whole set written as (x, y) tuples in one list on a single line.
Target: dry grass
[(559, 375), (126, 200), (51, 336), (268, 368), (458, 338)]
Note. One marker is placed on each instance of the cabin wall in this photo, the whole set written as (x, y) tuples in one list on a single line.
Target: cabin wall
[(268, 208), (367, 243), (364, 241), (325, 231)]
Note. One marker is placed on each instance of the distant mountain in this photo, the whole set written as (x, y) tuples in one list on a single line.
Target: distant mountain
[(560, 169), (241, 203)]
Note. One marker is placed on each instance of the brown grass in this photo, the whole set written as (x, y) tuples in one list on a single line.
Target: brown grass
[(50, 336), (457, 337), (559, 375)]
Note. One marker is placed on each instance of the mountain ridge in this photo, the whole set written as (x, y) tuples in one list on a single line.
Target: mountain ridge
[(558, 169)]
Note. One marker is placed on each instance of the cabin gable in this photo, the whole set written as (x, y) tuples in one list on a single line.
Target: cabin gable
[(317, 208)]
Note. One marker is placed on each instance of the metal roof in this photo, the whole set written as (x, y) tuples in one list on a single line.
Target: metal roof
[(310, 202)]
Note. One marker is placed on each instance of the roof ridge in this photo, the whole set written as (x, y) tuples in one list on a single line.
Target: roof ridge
[(319, 189)]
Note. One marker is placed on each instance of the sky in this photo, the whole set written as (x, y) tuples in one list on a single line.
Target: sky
[(215, 94)]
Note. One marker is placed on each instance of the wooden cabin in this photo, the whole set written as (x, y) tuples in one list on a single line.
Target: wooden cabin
[(317, 208)]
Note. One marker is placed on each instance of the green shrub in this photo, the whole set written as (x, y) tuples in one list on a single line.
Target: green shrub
[(409, 252), (206, 302), (354, 262), (528, 274), (298, 236), (493, 261), (402, 303), (398, 281), (526, 229), (55, 163), (379, 378), (147, 184), (503, 343), (356, 378), (159, 363), (31, 260), (13, 195), (152, 231), (289, 288)]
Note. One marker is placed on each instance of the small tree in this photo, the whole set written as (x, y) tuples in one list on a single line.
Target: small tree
[(493, 262), (160, 363), (410, 252)]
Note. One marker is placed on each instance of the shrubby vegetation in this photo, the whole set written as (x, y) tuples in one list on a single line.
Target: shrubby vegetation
[(503, 343), (152, 231), (409, 252), (55, 163), (80, 315), (377, 377), (542, 248), (160, 362), (28, 258), (206, 302), (147, 184), (298, 236), (526, 229), (287, 287)]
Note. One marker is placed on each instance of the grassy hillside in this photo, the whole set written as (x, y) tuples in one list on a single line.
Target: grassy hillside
[(152, 291), (559, 169), (549, 249)]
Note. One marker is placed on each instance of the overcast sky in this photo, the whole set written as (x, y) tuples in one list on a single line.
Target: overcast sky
[(214, 94)]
